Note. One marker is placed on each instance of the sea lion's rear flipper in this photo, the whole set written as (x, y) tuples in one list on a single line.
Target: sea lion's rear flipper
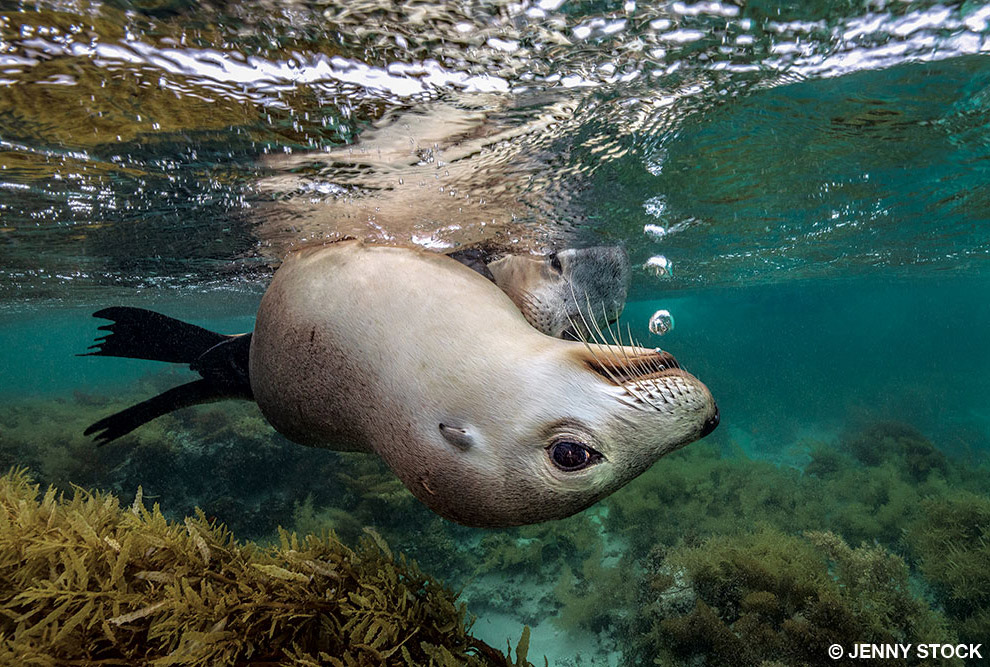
[(136, 333), (123, 422)]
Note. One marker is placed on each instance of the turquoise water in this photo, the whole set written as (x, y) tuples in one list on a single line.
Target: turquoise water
[(815, 173), (783, 359)]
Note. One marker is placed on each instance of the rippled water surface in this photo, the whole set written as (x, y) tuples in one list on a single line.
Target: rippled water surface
[(803, 184), (168, 144)]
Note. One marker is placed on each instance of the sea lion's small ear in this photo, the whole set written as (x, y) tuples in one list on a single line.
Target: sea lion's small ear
[(458, 436)]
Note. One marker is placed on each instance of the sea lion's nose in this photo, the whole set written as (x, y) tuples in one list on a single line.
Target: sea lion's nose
[(710, 424)]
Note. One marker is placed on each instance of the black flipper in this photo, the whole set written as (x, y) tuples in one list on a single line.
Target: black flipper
[(136, 333), (125, 421), (474, 258)]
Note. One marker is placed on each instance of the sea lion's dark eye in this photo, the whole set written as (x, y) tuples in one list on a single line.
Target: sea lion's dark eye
[(555, 263), (570, 456)]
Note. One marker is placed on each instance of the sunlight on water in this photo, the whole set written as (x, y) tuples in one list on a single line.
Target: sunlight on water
[(133, 136)]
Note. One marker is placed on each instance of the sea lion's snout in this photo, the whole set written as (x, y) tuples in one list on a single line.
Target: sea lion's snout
[(710, 424), (670, 406), (570, 293)]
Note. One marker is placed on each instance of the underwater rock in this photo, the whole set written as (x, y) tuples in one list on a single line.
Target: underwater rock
[(83, 580)]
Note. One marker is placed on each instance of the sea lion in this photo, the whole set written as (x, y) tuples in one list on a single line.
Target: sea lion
[(416, 358), (559, 292), (562, 292)]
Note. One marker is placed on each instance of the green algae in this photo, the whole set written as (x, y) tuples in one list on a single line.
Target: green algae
[(951, 540), (869, 486), (84, 579), (895, 441), (884, 485), (767, 596)]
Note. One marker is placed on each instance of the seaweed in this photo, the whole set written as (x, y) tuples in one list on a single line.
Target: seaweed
[(585, 571), (597, 597), (698, 492), (767, 596), (83, 579), (951, 540), (890, 440)]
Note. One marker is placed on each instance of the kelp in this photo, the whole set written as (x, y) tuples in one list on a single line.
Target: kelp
[(84, 580)]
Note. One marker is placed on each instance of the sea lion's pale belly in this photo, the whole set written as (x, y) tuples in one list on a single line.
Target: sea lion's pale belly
[(346, 344)]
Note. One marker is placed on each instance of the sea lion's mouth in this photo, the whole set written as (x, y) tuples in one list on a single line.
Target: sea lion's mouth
[(626, 367), (649, 379)]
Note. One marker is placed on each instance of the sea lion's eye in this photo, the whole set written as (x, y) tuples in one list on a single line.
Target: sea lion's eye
[(569, 455), (555, 263)]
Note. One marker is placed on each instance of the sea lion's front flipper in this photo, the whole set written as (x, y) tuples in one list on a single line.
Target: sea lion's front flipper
[(136, 333), (474, 258)]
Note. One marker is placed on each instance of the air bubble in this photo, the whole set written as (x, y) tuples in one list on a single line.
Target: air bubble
[(660, 266), (661, 322)]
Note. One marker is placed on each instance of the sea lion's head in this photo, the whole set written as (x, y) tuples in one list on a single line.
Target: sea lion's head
[(559, 292), (584, 421)]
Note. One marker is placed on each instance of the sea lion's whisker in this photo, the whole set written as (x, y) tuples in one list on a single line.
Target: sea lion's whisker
[(639, 367), (633, 340), (626, 371), (608, 326), (616, 338), (598, 362), (530, 301), (638, 364), (610, 346), (616, 362), (643, 395), (581, 313), (633, 404), (591, 329), (629, 363)]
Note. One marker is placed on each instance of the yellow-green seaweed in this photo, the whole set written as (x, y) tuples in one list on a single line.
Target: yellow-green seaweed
[(83, 580), (771, 597), (951, 540)]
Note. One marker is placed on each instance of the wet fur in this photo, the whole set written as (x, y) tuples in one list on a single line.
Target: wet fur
[(373, 348)]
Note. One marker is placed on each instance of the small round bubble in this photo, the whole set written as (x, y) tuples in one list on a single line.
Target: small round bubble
[(660, 266), (661, 322)]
